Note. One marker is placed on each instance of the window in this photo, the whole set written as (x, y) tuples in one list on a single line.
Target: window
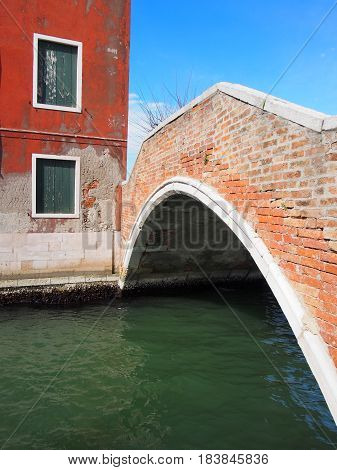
[(55, 186), (57, 80)]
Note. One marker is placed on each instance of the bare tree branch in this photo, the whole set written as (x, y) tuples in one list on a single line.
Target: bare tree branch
[(156, 111)]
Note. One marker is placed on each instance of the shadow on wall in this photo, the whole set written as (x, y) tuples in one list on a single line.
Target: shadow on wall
[(183, 239)]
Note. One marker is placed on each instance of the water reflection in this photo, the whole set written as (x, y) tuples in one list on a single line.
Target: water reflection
[(159, 372)]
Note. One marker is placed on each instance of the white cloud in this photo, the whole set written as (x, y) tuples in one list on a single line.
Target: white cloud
[(134, 99), (136, 115), (137, 119)]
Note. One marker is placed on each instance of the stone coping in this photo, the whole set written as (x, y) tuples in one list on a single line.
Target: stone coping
[(60, 279), (306, 117)]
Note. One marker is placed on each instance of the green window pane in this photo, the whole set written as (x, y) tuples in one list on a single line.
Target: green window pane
[(55, 186), (57, 74)]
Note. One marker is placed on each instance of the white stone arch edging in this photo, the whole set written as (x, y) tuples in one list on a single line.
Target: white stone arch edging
[(302, 324)]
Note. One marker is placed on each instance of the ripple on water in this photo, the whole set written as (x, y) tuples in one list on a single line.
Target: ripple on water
[(159, 372)]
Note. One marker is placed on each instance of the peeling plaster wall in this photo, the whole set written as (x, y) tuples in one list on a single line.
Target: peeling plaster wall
[(30, 246), (100, 175), (103, 28)]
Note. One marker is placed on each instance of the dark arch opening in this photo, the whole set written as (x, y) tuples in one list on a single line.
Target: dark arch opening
[(184, 242)]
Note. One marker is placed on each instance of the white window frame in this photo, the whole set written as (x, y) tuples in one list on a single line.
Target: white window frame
[(76, 214), (78, 107)]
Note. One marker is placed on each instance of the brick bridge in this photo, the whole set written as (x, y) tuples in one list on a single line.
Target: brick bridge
[(261, 173)]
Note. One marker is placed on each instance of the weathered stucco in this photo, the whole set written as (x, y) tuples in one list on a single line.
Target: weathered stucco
[(97, 134), (103, 28), (100, 176)]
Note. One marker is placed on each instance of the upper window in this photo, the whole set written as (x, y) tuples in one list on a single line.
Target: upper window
[(57, 80)]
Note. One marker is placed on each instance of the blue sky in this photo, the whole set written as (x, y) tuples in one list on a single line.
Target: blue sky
[(250, 42)]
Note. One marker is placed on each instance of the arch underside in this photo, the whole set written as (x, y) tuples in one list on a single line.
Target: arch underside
[(184, 242), (186, 232)]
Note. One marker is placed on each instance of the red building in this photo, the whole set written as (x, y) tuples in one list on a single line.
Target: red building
[(64, 101)]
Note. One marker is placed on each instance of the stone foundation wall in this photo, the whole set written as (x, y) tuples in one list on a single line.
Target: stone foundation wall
[(31, 254)]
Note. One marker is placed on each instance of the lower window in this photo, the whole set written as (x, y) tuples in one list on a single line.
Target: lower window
[(55, 182)]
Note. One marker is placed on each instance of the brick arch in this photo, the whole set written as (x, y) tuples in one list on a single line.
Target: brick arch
[(303, 325), (276, 163)]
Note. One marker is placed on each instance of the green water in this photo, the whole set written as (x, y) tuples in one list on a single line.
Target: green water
[(158, 372)]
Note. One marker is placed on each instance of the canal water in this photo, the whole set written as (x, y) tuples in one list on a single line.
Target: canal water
[(158, 372)]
